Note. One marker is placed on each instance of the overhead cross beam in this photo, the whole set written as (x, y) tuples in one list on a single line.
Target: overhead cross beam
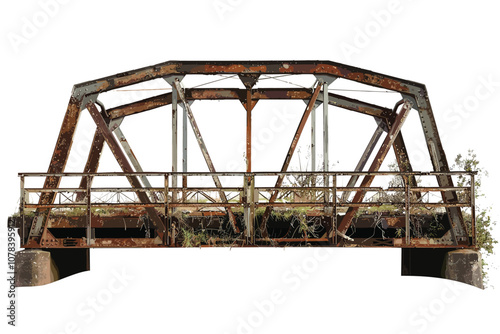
[(257, 94)]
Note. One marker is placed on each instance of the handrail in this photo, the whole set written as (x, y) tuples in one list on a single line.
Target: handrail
[(330, 201)]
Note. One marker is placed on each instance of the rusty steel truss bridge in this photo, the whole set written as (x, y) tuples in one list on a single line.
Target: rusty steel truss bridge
[(424, 213)]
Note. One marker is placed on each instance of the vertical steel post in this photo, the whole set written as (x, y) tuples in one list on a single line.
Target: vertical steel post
[(313, 140), (325, 127), (174, 142), (249, 130), (407, 209), (21, 208), (89, 213), (313, 149), (325, 131), (245, 206), (251, 217), (249, 179), (168, 216), (184, 152), (249, 207), (473, 208), (334, 214)]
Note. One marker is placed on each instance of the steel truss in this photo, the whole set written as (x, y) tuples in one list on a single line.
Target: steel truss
[(159, 204)]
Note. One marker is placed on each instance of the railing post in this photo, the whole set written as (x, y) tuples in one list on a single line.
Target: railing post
[(251, 217), (473, 208), (407, 210), (244, 200), (89, 214), (326, 185), (249, 206), (169, 233), (21, 208), (184, 187), (165, 206), (325, 130), (334, 213)]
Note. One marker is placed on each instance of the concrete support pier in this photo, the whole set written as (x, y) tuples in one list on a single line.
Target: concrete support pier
[(42, 266), (33, 268), (464, 265)]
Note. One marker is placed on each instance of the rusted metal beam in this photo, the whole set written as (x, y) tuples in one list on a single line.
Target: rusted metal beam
[(133, 159), (364, 158), (249, 209), (377, 162), (313, 141), (257, 94), (260, 204), (326, 81), (249, 73), (140, 106), (326, 141), (126, 167), (249, 79), (171, 80), (249, 107), (288, 158), (402, 157), (358, 106), (184, 150), (249, 104), (440, 163), (174, 141), (57, 164), (338, 173), (252, 67), (94, 157), (92, 163), (204, 151)]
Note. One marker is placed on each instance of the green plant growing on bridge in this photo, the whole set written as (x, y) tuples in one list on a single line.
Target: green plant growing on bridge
[(436, 227), (484, 223), (191, 238)]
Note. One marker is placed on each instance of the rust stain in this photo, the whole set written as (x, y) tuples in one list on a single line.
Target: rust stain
[(238, 68), (395, 221), (257, 69)]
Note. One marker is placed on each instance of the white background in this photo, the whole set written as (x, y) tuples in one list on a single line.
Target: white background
[(451, 47)]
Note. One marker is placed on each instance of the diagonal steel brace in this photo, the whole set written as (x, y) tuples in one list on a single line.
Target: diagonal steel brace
[(288, 158), (204, 151), (377, 162), (125, 165)]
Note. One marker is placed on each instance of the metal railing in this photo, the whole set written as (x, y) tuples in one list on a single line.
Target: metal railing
[(301, 189)]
